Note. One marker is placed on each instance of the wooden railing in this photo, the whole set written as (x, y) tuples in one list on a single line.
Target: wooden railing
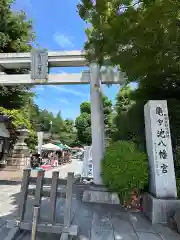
[(53, 192)]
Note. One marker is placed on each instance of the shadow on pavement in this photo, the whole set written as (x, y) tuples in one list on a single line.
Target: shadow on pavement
[(81, 213), (95, 221), (9, 211)]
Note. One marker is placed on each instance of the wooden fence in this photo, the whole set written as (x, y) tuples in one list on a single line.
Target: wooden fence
[(66, 229)]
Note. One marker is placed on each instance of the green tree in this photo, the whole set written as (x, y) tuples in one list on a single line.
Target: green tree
[(129, 119), (83, 121), (140, 37), (57, 123), (85, 107), (69, 134), (16, 35), (60, 130), (83, 126), (121, 120), (107, 109)]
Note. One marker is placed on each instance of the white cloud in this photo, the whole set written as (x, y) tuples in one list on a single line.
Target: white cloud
[(45, 89), (69, 90), (64, 101), (63, 40)]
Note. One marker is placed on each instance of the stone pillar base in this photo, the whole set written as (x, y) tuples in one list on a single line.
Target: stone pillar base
[(18, 163), (100, 197), (159, 210), (20, 158)]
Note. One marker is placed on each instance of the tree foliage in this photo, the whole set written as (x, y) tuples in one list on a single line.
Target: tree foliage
[(57, 128), (17, 117), (85, 107), (129, 120), (16, 35), (17, 102), (15, 30), (141, 37), (83, 124), (83, 121)]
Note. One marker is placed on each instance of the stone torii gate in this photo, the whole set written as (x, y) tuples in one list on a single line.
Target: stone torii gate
[(95, 76), (161, 201)]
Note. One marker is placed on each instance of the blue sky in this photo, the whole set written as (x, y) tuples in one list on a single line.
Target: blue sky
[(58, 27)]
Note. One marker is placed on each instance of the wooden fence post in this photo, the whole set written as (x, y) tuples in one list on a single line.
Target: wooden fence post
[(39, 186), (68, 203), (24, 193), (53, 196), (35, 220)]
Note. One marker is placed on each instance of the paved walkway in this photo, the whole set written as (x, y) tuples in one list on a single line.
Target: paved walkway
[(75, 166), (95, 221)]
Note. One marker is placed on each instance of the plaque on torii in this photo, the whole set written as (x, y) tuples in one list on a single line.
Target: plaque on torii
[(39, 65)]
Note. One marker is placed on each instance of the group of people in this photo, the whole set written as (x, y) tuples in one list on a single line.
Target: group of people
[(53, 159), (37, 159)]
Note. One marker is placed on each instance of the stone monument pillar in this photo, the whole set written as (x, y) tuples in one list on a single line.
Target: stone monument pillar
[(20, 158), (161, 200)]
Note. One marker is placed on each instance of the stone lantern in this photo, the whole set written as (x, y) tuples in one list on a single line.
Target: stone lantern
[(20, 158), (23, 134)]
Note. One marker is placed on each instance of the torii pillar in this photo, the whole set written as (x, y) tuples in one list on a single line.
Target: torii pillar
[(98, 141), (97, 122)]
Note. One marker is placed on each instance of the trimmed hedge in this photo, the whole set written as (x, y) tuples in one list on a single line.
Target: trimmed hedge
[(125, 169)]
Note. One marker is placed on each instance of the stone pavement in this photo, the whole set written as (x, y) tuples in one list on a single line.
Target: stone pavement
[(95, 221), (75, 166)]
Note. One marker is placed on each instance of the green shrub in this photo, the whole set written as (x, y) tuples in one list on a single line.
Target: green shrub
[(125, 168)]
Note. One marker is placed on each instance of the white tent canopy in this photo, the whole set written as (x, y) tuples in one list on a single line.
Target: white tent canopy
[(51, 147)]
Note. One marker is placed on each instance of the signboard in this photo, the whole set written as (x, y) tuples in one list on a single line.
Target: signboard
[(39, 65), (159, 148), (87, 171)]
